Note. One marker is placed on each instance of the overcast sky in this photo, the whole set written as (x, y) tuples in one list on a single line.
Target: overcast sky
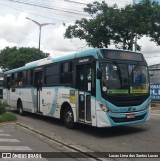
[(16, 30)]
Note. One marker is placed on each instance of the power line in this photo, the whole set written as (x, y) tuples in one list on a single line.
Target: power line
[(69, 17), (15, 8), (70, 1), (47, 7), (77, 2), (32, 13)]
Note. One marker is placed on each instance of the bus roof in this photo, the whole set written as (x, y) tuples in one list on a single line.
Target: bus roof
[(48, 60)]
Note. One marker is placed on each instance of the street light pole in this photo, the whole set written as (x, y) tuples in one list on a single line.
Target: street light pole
[(40, 27)]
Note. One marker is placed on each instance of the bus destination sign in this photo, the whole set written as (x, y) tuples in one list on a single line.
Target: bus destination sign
[(122, 55)]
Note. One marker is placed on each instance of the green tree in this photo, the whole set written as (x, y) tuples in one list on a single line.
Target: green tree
[(16, 57), (96, 31), (154, 33), (121, 26)]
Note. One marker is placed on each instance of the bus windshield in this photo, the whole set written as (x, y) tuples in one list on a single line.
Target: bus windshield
[(121, 78)]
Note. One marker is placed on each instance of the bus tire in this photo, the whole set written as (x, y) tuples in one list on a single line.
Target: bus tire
[(20, 108), (68, 118)]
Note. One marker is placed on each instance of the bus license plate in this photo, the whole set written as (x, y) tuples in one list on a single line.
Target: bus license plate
[(130, 116)]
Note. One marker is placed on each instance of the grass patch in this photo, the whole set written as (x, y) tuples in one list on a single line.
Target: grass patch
[(5, 117)]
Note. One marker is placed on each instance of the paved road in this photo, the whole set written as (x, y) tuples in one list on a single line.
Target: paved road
[(133, 138), (16, 139)]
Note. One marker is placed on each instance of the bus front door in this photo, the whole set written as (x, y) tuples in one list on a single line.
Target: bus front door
[(84, 85), (38, 84)]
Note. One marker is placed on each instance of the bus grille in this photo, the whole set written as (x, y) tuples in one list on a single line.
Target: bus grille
[(127, 100), (118, 120)]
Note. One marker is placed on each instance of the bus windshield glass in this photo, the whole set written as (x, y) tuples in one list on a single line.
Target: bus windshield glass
[(124, 79)]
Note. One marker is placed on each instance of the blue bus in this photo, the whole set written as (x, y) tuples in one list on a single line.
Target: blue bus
[(98, 87)]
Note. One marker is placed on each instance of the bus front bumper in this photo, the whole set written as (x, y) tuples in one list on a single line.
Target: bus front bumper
[(109, 119)]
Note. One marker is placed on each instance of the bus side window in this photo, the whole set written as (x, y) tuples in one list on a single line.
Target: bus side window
[(24, 78), (19, 78), (66, 73), (5, 82), (8, 84), (52, 74), (29, 79)]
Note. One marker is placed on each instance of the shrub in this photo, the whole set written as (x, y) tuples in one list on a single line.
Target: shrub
[(3, 106), (6, 117)]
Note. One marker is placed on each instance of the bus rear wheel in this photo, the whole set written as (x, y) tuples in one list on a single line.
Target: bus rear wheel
[(68, 118), (20, 108)]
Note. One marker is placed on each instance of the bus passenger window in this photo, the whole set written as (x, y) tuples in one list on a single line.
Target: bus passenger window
[(19, 79), (66, 73), (12, 80), (52, 74), (29, 79)]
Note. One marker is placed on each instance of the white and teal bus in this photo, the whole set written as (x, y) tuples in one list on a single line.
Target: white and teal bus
[(1, 83), (99, 87), (1, 87)]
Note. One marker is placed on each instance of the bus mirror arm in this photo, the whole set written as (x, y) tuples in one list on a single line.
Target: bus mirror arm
[(99, 73)]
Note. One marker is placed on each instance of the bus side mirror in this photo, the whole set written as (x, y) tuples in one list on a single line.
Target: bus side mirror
[(99, 73)]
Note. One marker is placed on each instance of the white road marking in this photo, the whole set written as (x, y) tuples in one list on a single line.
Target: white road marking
[(9, 140), (1, 131), (20, 148), (5, 135), (155, 114)]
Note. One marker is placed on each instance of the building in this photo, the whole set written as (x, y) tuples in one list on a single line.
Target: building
[(154, 71)]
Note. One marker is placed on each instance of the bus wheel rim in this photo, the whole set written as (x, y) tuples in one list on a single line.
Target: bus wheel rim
[(69, 116)]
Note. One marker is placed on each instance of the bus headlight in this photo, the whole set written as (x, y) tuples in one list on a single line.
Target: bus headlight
[(148, 105), (103, 107)]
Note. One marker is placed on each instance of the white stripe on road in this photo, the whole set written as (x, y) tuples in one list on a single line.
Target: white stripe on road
[(155, 114), (9, 140), (5, 135), (15, 148), (1, 131)]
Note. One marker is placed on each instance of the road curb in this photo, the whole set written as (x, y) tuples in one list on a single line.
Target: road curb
[(84, 152)]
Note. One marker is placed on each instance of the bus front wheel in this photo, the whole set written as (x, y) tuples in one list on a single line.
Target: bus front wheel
[(68, 118), (20, 108)]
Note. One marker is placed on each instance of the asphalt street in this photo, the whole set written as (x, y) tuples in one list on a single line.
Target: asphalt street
[(142, 137), (15, 139)]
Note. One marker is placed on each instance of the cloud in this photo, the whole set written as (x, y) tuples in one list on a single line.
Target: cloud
[(31, 44), (148, 47), (4, 43), (58, 43), (16, 30), (13, 29), (150, 50)]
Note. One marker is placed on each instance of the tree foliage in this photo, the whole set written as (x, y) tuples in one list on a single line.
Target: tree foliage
[(120, 26), (16, 57)]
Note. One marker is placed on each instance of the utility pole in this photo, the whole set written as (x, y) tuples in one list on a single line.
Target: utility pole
[(134, 1), (40, 26)]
